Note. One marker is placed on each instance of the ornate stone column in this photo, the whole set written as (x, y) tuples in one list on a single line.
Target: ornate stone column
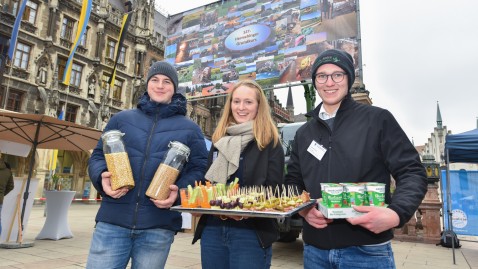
[(425, 225), (431, 205)]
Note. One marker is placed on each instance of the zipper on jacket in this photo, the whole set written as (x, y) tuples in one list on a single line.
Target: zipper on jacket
[(329, 148), (330, 158), (141, 179)]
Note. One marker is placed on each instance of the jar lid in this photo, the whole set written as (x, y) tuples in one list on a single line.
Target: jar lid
[(180, 146), (111, 134)]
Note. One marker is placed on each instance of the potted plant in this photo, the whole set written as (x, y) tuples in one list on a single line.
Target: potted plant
[(55, 183)]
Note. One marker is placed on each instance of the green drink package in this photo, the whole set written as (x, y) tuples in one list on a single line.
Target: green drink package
[(375, 193), (354, 194), (332, 195)]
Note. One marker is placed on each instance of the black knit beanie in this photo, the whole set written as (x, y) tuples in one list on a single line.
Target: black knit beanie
[(164, 68), (338, 57)]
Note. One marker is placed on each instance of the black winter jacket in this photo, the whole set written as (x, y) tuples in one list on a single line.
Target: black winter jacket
[(366, 145), (148, 131), (259, 168), (6, 181)]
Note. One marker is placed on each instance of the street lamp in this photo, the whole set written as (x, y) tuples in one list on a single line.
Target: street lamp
[(431, 204), (432, 168)]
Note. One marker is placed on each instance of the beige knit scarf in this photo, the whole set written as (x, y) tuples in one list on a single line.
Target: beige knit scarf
[(230, 148)]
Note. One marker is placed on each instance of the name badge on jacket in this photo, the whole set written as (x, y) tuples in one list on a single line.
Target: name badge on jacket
[(317, 150)]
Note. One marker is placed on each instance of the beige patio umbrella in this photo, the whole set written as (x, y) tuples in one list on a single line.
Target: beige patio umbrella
[(45, 132)]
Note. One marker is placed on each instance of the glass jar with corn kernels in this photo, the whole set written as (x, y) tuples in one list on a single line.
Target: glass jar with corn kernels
[(168, 170), (117, 160)]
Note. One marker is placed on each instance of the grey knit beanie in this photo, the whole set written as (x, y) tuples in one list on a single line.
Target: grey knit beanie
[(338, 57), (164, 68)]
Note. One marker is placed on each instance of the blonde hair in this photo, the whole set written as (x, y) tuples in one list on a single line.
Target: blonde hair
[(263, 128)]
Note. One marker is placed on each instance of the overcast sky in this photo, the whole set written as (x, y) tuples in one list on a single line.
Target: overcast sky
[(414, 53)]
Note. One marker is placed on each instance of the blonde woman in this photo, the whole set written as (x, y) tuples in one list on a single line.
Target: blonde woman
[(245, 145)]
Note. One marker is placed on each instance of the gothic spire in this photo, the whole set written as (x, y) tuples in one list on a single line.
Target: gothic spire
[(290, 101), (439, 121)]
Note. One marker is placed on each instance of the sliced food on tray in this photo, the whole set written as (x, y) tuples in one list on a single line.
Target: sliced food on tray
[(233, 197)]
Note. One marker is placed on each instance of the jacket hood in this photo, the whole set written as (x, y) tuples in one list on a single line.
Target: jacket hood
[(178, 105)]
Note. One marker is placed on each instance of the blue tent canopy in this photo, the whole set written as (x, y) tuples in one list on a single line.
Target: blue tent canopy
[(462, 148), (459, 148)]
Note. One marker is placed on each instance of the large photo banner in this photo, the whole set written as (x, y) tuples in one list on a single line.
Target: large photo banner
[(272, 42), (464, 206)]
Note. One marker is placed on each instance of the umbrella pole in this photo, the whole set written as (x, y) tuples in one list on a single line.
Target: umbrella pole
[(32, 162)]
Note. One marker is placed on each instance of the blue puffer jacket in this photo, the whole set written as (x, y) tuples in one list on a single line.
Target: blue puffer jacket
[(148, 131)]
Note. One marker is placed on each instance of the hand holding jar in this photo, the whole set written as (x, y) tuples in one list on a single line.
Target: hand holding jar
[(117, 160), (168, 171)]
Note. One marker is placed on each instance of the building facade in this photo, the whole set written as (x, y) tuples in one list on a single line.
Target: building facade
[(32, 82), (436, 146)]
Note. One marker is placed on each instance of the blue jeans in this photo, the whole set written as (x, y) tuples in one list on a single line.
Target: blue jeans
[(372, 257), (230, 245), (112, 246)]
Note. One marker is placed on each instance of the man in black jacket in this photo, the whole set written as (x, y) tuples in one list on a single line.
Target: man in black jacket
[(350, 142), (6, 183)]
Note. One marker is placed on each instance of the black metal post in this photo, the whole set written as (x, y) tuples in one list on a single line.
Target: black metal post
[(32, 162)]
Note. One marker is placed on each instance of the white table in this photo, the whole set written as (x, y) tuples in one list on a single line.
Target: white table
[(11, 209), (56, 224)]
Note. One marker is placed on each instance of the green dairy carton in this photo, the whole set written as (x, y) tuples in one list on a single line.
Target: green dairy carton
[(354, 194), (338, 213), (369, 193), (332, 194), (375, 193), (365, 194)]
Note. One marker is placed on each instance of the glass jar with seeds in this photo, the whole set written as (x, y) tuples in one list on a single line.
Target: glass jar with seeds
[(117, 160), (168, 170)]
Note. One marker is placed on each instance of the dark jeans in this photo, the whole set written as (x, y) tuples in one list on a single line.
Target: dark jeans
[(112, 246), (231, 244), (372, 257)]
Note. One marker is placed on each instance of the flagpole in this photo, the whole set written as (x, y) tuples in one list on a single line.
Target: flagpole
[(13, 43), (82, 24), (8, 85), (66, 100)]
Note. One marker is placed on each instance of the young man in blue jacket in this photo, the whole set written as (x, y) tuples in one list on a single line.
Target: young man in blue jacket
[(350, 142), (129, 224)]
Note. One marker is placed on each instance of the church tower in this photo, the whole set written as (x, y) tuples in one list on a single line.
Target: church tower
[(436, 142), (290, 103), (439, 121)]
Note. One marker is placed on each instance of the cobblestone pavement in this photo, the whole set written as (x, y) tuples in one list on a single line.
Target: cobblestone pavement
[(72, 253)]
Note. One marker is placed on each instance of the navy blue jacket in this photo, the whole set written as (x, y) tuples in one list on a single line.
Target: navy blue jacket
[(148, 131)]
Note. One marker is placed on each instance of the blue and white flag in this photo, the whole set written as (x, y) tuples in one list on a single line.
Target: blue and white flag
[(16, 27), (84, 17)]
